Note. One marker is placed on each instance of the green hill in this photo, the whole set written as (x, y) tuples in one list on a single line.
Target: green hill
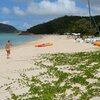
[(4, 28), (67, 24)]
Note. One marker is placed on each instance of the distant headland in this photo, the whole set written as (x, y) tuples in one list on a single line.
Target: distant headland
[(5, 28)]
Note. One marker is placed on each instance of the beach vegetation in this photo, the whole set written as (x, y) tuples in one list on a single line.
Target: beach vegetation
[(68, 77)]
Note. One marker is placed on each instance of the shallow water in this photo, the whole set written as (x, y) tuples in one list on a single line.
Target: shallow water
[(16, 39)]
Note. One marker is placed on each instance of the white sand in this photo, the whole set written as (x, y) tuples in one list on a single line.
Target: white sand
[(22, 56)]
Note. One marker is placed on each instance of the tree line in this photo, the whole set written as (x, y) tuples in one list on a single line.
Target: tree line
[(68, 24)]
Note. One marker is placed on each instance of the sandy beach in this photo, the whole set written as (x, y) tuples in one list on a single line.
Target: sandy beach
[(22, 57)]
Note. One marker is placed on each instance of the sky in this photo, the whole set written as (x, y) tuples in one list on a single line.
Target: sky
[(24, 14)]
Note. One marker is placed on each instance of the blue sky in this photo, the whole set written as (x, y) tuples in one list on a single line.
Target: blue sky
[(24, 14)]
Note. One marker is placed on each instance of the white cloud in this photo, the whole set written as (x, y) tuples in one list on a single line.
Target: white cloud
[(94, 5), (56, 8), (26, 25), (5, 10), (59, 7), (18, 11), (96, 11), (5, 22)]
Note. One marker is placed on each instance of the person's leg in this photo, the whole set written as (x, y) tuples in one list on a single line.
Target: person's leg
[(8, 54)]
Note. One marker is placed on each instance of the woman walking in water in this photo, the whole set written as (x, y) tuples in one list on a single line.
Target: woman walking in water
[(8, 47)]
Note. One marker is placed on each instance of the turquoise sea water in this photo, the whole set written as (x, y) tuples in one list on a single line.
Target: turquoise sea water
[(16, 39)]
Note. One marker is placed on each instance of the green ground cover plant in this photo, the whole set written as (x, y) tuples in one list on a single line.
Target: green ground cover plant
[(68, 77)]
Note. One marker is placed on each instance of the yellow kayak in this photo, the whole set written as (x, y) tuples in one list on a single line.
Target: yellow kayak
[(48, 44)]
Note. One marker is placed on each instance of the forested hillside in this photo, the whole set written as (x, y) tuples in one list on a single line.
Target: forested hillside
[(67, 24), (4, 28)]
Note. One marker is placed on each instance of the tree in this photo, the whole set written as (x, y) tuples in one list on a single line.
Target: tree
[(83, 26)]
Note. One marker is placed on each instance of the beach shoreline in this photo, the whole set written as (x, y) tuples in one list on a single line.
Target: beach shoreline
[(24, 43), (22, 56), (61, 44)]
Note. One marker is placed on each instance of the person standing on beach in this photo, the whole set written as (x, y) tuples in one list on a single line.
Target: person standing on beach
[(8, 47)]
